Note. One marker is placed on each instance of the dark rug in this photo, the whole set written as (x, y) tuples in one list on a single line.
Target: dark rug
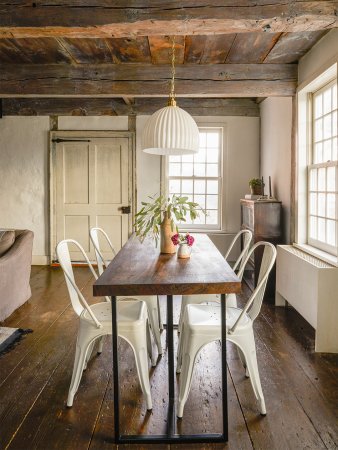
[(9, 337)]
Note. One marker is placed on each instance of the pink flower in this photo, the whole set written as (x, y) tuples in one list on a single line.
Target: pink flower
[(190, 240), (175, 239)]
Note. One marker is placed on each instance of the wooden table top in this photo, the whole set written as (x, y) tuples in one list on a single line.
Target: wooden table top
[(140, 269)]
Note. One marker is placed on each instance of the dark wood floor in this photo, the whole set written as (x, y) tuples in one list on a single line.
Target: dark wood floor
[(300, 386)]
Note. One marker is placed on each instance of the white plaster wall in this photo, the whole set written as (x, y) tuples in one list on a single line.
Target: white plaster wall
[(276, 124), (24, 179), (319, 58), (93, 123)]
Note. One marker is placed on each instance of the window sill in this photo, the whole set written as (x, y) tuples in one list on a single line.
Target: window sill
[(326, 257)]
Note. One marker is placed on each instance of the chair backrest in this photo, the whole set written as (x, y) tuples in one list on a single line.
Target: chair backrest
[(79, 303), (94, 236), (254, 304), (247, 237)]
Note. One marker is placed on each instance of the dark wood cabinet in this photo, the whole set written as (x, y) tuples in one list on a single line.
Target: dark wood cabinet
[(264, 219)]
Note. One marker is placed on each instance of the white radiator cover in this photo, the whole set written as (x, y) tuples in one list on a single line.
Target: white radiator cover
[(311, 287)]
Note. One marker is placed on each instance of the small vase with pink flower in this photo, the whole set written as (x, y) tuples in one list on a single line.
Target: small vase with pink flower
[(184, 242)]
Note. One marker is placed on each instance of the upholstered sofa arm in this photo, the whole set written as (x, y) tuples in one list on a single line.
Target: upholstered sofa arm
[(15, 269)]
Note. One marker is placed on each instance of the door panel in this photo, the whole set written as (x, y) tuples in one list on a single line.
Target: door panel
[(92, 182)]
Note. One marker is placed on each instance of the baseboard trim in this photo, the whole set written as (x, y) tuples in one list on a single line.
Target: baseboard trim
[(40, 260)]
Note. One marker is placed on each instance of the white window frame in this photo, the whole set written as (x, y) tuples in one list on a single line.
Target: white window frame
[(304, 163), (205, 228)]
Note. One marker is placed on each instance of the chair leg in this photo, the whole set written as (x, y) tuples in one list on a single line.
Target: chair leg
[(191, 347), (160, 322), (79, 363), (184, 303), (153, 319), (100, 347), (139, 345), (248, 347), (149, 347), (242, 358)]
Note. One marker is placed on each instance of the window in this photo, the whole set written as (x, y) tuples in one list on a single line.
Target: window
[(322, 171), (199, 177)]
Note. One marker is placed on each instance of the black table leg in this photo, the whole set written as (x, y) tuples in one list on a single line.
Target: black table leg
[(224, 368), (115, 371), (171, 367)]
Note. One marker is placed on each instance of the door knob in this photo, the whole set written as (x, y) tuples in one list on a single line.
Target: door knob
[(125, 209)]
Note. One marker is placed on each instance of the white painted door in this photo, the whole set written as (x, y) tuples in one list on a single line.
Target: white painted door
[(92, 184)]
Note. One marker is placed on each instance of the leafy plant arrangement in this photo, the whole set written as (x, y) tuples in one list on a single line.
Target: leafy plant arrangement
[(255, 182), (256, 186), (152, 214)]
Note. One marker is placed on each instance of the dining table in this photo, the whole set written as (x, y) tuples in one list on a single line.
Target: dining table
[(140, 269)]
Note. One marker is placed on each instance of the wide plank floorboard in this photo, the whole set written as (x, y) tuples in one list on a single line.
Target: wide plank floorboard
[(300, 386)]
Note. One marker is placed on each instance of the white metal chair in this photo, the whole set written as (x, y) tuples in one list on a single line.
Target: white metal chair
[(202, 324), (231, 300), (96, 322), (150, 300)]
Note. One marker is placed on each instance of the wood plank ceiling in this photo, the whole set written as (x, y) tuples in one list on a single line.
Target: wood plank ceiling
[(75, 61)]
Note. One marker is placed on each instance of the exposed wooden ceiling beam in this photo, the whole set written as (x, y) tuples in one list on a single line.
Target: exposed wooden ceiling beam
[(111, 107), (137, 80), (84, 18)]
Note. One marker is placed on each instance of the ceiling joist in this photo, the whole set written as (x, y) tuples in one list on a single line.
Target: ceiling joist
[(103, 18)]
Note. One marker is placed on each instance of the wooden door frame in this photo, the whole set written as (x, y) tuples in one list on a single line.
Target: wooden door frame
[(132, 192)]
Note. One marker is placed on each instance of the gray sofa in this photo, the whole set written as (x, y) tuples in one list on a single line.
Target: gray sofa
[(15, 270)]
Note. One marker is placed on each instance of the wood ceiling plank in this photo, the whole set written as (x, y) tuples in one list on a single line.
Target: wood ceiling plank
[(85, 51), (11, 54), (130, 50), (41, 51), (142, 18), (291, 46), (251, 47), (160, 49), (208, 49)]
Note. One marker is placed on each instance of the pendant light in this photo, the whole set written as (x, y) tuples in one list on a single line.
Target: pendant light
[(171, 130)]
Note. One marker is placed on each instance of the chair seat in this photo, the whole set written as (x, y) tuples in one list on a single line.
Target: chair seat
[(204, 317), (128, 311)]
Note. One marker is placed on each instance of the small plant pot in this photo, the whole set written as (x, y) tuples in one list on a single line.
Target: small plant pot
[(184, 251), (256, 190)]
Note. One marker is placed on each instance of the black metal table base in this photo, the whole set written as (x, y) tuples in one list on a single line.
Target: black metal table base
[(170, 436)]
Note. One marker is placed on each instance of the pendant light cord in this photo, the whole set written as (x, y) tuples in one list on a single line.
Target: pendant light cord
[(172, 100)]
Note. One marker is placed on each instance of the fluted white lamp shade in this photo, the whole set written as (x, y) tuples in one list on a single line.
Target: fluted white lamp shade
[(170, 131)]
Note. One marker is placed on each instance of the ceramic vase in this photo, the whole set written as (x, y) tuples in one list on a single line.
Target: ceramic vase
[(167, 245), (183, 251)]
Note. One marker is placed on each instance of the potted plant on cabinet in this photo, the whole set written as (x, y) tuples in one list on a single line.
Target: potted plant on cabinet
[(256, 186), (157, 219)]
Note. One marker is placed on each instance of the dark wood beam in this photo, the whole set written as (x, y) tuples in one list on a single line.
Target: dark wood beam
[(138, 80), (85, 18), (111, 107)]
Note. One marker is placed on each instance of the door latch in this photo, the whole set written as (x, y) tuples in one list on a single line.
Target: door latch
[(125, 209)]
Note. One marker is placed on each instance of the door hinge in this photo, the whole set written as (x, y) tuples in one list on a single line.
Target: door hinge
[(58, 140), (125, 209)]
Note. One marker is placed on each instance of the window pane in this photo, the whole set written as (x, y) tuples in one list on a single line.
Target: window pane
[(187, 186), (327, 101), (199, 186), (200, 156), (331, 232), (321, 179), (203, 139), (212, 170), (212, 155), (327, 126), (199, 170), (174, 169), (318, 105), (331, 178), (334, 149), (318, 156), (313, 179), (331, 206), (188, 158), (200, 199), (318, 130), (187, 169), (174, 186), (313, 227), (334, 97), (212, 201), (200, 220), (321, 230), (174, 158), (334, 124), (212, 187), (211, 217), (213, 139), (313, 203), (327, 150), (321, 204)]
